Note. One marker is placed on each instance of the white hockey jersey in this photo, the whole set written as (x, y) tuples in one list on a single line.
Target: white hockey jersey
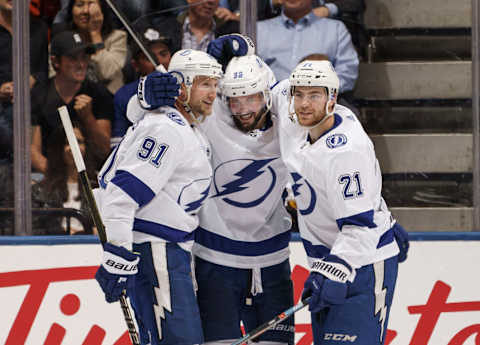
[(155, 181), (243, 223), (337, 186)]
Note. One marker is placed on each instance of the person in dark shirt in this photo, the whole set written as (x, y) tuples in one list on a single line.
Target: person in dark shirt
[(90, 104), (38, 70)]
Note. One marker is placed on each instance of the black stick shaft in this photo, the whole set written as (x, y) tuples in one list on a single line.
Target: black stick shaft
[(133, 34)]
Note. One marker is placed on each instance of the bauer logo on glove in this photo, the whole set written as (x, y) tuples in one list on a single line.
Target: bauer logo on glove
[(125, 268)]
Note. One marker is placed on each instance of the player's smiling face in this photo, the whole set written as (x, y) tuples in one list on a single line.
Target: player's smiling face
[(309, 104), (202, 95), (247, 111)]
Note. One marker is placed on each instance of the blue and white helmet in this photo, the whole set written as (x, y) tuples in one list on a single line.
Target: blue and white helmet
[(192, 63), (316, 73), (247, 75)]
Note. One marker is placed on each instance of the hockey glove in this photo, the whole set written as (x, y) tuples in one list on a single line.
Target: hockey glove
[(117, 271), (401, 236), (327, 283), (157, 89), (225, 47)]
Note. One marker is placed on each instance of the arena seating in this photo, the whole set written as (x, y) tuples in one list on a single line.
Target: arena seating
[(414, 96)]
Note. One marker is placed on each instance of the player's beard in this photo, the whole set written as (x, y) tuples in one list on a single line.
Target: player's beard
[(201, 110), (249, 127)]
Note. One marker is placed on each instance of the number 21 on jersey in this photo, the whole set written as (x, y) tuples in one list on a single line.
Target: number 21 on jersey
[(352, 187)]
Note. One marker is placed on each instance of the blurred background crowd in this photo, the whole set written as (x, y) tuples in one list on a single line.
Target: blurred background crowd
[(82, 57)]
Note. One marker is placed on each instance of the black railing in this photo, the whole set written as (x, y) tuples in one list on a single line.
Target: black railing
[(7, 213)]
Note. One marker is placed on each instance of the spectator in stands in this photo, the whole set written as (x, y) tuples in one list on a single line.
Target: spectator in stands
[(93, 20), (38, 72), (231, 9), (60, 188), (350, 12), (90, 104), (299, 32), (162, 41), (45, 9), (200, 25)]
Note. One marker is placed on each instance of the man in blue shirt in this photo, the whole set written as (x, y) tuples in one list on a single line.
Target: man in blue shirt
[(284, 40)]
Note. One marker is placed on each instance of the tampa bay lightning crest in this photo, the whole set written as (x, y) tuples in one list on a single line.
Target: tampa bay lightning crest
[(233, 178), (336, 140), (305, 204), (176, 118), (194, 194)]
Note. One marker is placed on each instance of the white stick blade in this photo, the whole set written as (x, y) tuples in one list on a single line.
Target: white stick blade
[(72, 139)]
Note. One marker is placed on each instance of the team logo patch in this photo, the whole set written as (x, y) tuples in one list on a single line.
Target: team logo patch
[(176, 118), (232, 178), (336, 140)]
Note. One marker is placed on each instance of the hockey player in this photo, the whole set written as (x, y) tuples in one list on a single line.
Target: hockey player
[(351, 235), (347, 230), (152, 187), (241, 245)]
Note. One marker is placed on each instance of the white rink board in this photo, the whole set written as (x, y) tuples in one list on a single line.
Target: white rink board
[(48, 291)]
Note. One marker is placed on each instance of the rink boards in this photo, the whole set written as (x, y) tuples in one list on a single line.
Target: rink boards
[(49, 296)]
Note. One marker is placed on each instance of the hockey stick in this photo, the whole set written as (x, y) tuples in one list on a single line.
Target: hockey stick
[(269, 324), (134, 35), (92, 205)]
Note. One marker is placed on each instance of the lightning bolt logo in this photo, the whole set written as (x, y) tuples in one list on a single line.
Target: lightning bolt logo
[(249, 173), (194, 205), (380, 295), (295, 189), (162, 295), (189, 193)]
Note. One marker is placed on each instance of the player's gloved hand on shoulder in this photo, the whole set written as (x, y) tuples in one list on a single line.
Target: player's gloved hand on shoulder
[(117, 271), (157, 89), (401, 236), (327, 283), (225, 47)]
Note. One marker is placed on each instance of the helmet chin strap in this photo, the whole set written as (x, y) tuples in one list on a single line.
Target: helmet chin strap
[(293, 115), (186, 106)]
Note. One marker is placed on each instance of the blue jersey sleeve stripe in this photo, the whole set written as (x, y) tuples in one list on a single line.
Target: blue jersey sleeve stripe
[(317, 251), (226, 245), (162, 231), (364, 219), (134, 187)]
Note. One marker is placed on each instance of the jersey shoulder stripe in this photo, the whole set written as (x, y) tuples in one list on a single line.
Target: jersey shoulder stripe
[(134, 187)]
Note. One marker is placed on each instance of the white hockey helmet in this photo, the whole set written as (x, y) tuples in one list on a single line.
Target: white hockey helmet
[(192, 63), (316, 73), (247, 75)]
